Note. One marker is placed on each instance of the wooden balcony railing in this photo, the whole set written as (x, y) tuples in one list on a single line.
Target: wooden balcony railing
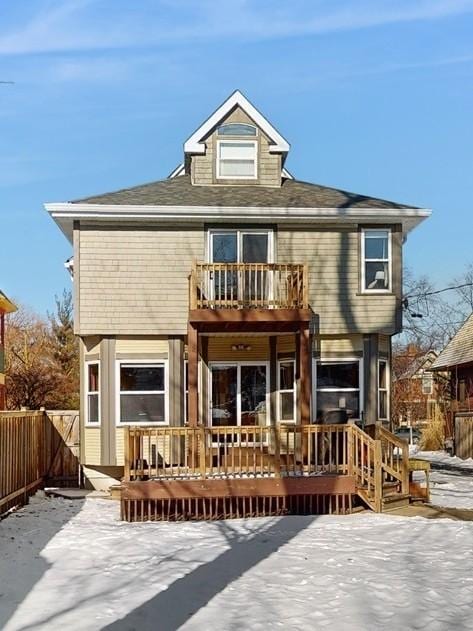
[(248, 285)]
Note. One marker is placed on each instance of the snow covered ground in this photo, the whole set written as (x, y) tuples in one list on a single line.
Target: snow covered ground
[(72, 565), (451, 480)]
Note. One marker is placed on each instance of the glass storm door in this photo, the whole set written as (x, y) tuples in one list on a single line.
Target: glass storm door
[(238, 394), (224, 388), (233, 284)]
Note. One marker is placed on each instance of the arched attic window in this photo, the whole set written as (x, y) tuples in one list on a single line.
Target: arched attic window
[(236, 129)]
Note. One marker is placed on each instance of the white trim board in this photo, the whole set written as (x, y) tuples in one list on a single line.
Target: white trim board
[(194, 143), (64, 213)]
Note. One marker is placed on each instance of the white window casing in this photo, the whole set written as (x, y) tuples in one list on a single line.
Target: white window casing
[(342, 393), (379, 263), (148, 394), (287, 392), (237, 159), (92, 393), (383, 389)]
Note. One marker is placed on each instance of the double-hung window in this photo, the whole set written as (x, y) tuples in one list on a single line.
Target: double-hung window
[(237, 159), (383, 392), (93, 393), (287, 394), (338, 390), (376, 260), (142, 392)]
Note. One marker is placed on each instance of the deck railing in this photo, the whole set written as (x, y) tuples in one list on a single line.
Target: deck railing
[(232, 452), (248, 285)]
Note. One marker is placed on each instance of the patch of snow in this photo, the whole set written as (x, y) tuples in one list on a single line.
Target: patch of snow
[(451, 479), (73, 565)]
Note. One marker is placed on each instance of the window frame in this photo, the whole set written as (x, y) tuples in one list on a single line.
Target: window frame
[(364, 260), (239, 136), (239, 234), (280, 391), (185, 388), (360, 389), (387, 390), (89, 423), (239, 141), (119, 392)]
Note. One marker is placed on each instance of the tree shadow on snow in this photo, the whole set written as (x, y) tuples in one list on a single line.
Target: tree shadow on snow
[(22, 564), (173, 607)]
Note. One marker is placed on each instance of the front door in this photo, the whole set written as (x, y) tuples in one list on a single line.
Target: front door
[(239, 394)]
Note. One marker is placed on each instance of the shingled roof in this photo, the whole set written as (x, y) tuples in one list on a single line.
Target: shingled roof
[(179, 191), (459, 350)]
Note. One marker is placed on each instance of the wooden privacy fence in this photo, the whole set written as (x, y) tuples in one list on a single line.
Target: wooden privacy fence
[(464, 435), (32, 452)]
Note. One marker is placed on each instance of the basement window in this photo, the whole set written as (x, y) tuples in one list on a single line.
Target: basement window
[(236, 159), (142, 393)]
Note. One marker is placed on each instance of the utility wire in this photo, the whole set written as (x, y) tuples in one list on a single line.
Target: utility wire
[(439, 291)]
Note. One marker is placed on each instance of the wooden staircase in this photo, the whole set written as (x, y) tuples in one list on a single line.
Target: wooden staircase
[(381, 468)]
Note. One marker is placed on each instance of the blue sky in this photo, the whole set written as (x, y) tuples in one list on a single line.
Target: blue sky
[(375, 96)]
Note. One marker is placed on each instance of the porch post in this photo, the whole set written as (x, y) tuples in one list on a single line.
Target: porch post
[(193, 360), (304, 372)]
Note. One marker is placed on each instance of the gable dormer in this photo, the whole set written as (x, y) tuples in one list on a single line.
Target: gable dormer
[(235, 146)]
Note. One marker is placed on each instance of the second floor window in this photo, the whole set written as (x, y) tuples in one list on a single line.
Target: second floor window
[(376, 260), (236, 159)]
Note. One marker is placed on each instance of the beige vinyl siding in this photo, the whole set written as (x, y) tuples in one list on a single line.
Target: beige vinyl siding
[(220, 348), (286, 343), (332, 254), (384, 343), (92, 446), (336, 345), (137, 345), (91, 346), (203, 167), (120, 447), (134, 280)]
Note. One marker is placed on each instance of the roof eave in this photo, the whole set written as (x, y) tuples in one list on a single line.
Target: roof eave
[(6, 305), (64, 214)]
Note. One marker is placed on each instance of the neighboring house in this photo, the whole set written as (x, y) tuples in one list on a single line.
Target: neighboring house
[(418, 393), (6, 306), (232, 294), (456, 360)]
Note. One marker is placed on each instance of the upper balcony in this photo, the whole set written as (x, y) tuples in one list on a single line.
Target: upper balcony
[(237, 286)]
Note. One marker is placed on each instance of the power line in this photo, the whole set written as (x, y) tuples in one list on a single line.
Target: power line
[(439, 291), (8, 82)]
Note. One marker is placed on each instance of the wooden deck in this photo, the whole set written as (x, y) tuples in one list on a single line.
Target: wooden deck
[(222, 472)]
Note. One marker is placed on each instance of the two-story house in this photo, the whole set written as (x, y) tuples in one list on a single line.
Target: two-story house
[(231, 295), (6, 306)]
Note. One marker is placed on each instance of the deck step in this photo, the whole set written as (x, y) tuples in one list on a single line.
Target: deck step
[(398, 500)]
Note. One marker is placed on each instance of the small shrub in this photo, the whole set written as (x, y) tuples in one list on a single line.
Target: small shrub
[(433, 434)]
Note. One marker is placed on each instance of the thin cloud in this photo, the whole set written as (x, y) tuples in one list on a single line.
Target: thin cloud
[(88, 25)]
